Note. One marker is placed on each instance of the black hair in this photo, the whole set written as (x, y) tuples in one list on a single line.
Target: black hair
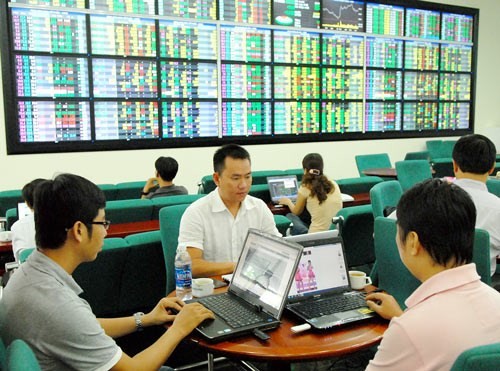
[(443, 216), (60, 203), (167, 168), (314, 178), (229, 150), (28, 191), (474, 153)]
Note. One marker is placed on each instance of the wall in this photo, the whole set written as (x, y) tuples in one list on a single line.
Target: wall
[(117, 166)]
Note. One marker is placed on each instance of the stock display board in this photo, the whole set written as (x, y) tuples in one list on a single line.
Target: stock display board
[(82, 75)]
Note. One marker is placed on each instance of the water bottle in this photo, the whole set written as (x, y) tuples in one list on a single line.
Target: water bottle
[(183, 276)]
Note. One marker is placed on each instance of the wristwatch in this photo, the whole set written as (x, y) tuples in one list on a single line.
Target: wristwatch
[(138, 320)]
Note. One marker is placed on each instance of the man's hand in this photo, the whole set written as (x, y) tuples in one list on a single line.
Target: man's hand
[(163, 312), (189, 317), (150, 184), (285, 201), (384, 304)]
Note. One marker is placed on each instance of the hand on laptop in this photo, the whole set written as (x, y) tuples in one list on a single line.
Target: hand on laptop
[(190, 316), (384, 304), (285, 201)]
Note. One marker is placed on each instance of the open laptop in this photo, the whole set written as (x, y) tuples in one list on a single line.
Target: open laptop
[(283, 186), (323, 277), (258, 289)]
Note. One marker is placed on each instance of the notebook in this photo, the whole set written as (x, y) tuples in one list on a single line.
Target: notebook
[(322, 277), (259, 288), (283, 186)]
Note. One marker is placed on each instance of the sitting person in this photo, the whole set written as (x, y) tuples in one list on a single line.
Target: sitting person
[(162, 184), (23, 230), (215, 227), (41, 303), (318, 195), (452, 310)]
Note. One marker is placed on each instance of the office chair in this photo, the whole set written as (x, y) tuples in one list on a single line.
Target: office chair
[(3, 355), (493, 186), (384, 195), (420, 155), (480, 358), (20, 357), (379, 160), (412, 172)]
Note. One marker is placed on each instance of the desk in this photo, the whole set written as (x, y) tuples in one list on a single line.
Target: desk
[(6, 255), (387, 172), (124, 229), (284, 347)]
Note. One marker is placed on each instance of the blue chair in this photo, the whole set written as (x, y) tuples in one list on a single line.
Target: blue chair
[(20, 357), (384, 195), (412, 172), (480, 358), (373, 161)]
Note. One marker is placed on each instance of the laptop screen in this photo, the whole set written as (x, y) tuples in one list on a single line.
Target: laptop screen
[(264, 272), (23, 210), (322, 268), (283, 186)]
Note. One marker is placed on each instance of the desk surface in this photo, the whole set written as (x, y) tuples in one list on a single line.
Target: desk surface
[(124, 229), (389, 172), (285, 346)]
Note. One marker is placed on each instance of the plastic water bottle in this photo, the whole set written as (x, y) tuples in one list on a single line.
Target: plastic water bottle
[(183, 278)]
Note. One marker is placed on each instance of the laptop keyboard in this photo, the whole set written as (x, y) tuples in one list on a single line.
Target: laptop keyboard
[(234, 313), (331, 305)]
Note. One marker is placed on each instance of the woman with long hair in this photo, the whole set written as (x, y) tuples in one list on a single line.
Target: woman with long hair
[(318, 197)]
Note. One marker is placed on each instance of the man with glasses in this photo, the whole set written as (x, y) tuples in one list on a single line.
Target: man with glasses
[(41, 303)]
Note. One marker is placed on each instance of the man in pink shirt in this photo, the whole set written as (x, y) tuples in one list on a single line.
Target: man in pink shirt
[(452, 310)]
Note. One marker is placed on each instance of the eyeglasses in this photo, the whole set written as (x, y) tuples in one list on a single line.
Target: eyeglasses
[(104, 223)]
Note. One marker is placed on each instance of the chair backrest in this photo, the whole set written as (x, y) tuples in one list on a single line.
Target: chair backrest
[(383, 195), (109, 191), (9, 199), (493, 186), (447, 148), (11, 217), (420, 155), (434, 147), (282, 223), (260, 191), (357, 233), (161, 202), (206, 185), (3, 355), (126, 211), (411, 172), (299, 173), (481, 255), (480, 358), (20, 357), (352, 186), (378, 160), (129, 190), (170, 220)]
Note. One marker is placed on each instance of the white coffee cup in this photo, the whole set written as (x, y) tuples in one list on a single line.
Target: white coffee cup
[(5, 236), (203, 287), (359, 279)]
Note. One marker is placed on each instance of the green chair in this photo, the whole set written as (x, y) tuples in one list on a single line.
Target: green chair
[(20, 357), (481, 255), (11, 217), (126, 211), (129, 190), (480, 358), (435, 149), (299, 173), (282, 223), (389, 273), (206, 185), (447, 148), (385, 194), (378, 160), (442, 167), (101, 279), (9, 199), (493, 186), (420, 155), (411, 172), (357, 233), (260, 176), (353, 186), (143, 283), (24, 254), (260, 191), (170, 220), (109, 191), (3, 355), (161, 202)]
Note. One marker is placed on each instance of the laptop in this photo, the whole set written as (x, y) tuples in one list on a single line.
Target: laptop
[(258, 291), (283, 186), (323, 277), (23, 210)]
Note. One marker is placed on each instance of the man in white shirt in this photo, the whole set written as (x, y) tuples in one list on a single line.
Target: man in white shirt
[(215, 227), (474, 158), (23, 230)]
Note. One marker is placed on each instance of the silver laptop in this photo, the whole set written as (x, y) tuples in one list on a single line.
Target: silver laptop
[(283, 186), (321, 294), (258, 291)]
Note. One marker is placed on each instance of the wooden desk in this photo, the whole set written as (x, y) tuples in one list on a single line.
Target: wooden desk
[(285, 347), (388, 172), (124, 229), (6, 255)]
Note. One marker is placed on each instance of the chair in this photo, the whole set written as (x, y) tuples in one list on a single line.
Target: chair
[(20, 357), (23, 255), (411, 172), (282, 223), (481, 255), (434, 147), (206, 185), (480, 358), (353, 186), (129, 190), (493, 186), (379, 160), (385, 194), (421, 155), (126, 211), (357, 233), (3, 355), (170, 220)]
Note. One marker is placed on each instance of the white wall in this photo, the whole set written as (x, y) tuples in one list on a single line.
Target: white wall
[(117, 166)]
